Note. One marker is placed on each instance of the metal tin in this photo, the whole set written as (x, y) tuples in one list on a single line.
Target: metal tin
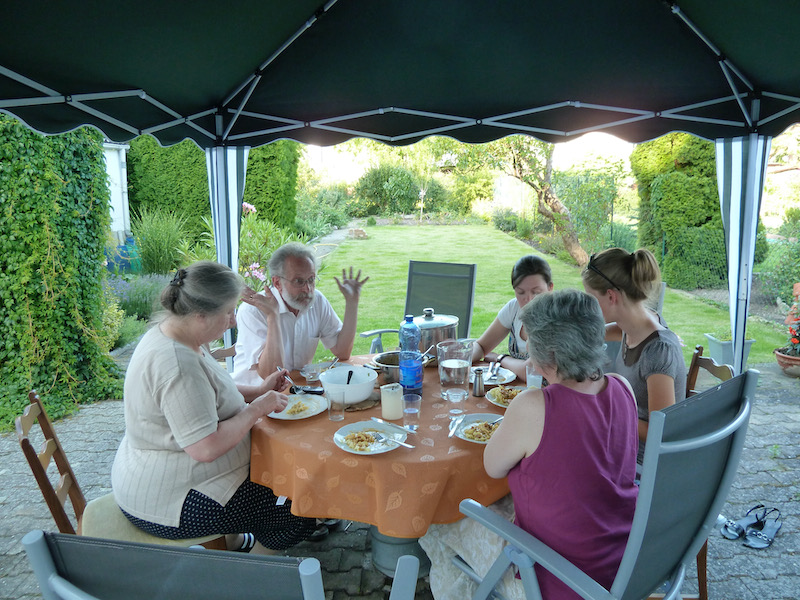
[(477, 384)]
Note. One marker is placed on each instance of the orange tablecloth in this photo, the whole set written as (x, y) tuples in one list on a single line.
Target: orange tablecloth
[(401, 491)]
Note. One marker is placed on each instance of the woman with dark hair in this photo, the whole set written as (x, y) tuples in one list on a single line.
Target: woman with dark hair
[(182, 468), (650, 355), (569, 452), (530, 277)]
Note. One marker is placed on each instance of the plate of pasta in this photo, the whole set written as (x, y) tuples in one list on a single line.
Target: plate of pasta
[(478, 428), (502, 395), (301, 406), (359, 438)]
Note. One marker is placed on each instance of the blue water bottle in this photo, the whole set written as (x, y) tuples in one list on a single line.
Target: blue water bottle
[(410, 357)]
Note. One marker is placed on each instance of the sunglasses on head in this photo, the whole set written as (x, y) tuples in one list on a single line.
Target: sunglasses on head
[(592, 267)]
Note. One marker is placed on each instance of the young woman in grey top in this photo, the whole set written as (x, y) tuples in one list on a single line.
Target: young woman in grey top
[(650, 356)]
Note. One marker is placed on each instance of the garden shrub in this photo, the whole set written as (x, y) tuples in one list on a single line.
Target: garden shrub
[(385, 189), (138, 296), (158, 234), (112, 319), (505, 220), (54, 212), (318, 211), (781, 270), (130, 331)]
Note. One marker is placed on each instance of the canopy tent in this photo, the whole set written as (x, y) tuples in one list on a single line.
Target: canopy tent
[(400, 70)]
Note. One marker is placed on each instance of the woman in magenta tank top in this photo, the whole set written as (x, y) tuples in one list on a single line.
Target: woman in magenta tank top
[(569, 449)]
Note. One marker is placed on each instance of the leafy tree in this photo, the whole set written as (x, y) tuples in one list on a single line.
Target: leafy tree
[(175, 180), (271, 181), (531, 161), (170, 179)]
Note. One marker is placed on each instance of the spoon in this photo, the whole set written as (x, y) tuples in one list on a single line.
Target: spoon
[(349, 377), (294, 389)]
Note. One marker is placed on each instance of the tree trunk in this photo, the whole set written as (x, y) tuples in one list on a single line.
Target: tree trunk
[(552, 209)]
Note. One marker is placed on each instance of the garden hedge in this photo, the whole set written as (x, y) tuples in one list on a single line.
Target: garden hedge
[(54, 213)]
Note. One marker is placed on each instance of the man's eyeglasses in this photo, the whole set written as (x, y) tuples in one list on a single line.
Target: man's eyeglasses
[(592, 267), (299, 282)]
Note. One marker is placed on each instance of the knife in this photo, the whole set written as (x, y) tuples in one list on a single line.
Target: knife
[(400, 427), (454, 425)]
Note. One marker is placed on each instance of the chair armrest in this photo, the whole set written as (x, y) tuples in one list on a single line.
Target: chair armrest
[(404, 585), (377, 332), (541, 553)]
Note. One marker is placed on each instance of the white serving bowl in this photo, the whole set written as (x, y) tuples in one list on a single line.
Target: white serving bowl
[(360, 386)]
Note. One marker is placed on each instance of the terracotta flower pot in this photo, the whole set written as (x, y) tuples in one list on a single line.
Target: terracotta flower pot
[(789, 364)]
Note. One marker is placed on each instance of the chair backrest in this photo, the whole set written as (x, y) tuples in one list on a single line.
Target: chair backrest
[(67, 485), (691, 456), (105, 568), (448, 288), (721, 372), (71, 567)]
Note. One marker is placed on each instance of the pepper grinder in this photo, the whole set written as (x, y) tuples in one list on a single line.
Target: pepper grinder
[(477, 384)]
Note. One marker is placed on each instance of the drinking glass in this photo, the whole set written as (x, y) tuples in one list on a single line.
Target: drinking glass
[(533, 378), (411, 405), (454, 359), (335, 405)]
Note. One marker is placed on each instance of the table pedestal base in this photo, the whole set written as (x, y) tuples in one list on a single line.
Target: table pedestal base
[(387, 549)]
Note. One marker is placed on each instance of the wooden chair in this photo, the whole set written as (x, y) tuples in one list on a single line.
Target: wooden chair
[(70, 567), (99, 518), (723, 373), (692, 453)]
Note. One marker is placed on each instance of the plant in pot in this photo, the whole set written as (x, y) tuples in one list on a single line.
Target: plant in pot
[(720, 346), (788, 356)]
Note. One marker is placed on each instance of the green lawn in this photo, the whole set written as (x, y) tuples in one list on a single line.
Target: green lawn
[(384, 258)]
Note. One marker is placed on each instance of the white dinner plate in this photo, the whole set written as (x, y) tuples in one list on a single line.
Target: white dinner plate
[(315, 403), (471, 420), (493, 395), (369, 426), (503, 376)]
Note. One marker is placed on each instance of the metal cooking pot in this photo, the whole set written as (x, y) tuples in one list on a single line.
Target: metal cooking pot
[(388, 364), (434, 329)]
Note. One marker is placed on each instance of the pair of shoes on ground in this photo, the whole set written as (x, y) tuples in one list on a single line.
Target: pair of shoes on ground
[(758, 527), (324, 527)]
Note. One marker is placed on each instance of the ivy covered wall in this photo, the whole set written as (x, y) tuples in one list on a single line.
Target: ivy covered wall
[(53, 220)]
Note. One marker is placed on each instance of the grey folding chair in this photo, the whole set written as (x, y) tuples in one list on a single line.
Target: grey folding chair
[(70, 567), (692, 453), (448, 288)]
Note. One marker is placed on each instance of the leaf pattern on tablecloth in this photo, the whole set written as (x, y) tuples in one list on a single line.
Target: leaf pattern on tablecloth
[(306, 446), (427, 458), (453, 449), (427, 442), (435, 427), (266, 478), (301, 473), (350, 462), (369, 480), (483, 487), (394, 501), (288, 458), (419, 524), (333, 482), (399, 468), (354, 499), (324, 454), (430, 488), (281, 479), (306, 503)]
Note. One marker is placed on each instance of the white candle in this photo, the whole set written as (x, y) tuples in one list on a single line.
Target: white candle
[(392, 401)]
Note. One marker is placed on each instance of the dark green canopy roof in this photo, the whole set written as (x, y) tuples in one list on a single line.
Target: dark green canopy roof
[(399, 70)]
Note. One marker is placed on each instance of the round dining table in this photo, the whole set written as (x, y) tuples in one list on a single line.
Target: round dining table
[(401, 491)]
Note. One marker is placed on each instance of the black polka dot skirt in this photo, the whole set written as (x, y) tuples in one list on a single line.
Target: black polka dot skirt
[(253, 508)]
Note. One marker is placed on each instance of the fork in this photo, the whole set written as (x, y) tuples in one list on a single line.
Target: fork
[(379, 437)]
